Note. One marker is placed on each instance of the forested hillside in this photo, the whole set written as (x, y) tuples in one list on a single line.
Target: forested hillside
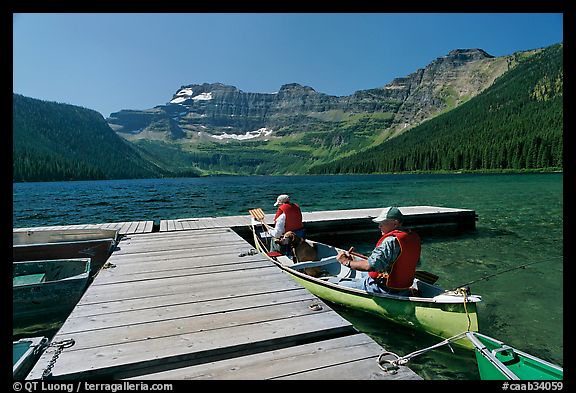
[(515, 124), (53, 141)]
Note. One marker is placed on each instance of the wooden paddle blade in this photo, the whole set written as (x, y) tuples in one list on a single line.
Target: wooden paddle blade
[(427, 277), (257, 214)]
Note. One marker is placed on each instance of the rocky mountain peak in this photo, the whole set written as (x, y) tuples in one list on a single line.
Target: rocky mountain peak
[(216, 109), (468, 54), (295, 88)]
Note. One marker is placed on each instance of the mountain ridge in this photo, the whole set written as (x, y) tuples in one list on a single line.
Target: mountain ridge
[(213, 128), (216, 108)]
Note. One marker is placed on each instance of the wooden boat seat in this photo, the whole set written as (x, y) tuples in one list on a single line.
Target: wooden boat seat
[(321, 262), (28, 279)]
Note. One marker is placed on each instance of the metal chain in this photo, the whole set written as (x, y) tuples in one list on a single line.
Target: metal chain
[(60, 345)]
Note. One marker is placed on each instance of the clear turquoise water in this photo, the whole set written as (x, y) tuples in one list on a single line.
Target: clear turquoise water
[(520, 222)]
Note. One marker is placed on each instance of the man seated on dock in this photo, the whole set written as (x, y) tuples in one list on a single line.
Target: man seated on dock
[(392, 264)]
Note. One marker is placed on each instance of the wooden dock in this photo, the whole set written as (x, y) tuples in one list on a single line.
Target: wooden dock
[(186, 300), (341, 221), (124, 228), (186, 305)]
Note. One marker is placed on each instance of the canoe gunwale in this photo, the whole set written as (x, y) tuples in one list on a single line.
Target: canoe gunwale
[(356, 291), (84, 275)]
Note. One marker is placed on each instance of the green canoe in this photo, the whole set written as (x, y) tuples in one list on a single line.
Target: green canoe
[(498, 361), (428, 308)]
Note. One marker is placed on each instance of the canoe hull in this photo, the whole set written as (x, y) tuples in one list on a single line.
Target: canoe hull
[(35, 300), (497, 361), (444, 316), (441, 320)]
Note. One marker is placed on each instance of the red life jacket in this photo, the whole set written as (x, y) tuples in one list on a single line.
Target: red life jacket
[(401, 275), (293, 216)]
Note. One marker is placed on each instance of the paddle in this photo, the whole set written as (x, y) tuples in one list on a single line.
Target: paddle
[(427, 277), (258, 215)]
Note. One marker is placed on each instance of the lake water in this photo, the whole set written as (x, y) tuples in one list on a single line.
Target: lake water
[(520, 222)]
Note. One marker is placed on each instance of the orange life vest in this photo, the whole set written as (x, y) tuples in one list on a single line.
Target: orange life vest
[(403, 268), (293, 216)]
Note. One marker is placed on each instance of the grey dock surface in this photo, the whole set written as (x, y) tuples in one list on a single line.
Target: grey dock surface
[(124, 228), (186, 305), (338, 221)]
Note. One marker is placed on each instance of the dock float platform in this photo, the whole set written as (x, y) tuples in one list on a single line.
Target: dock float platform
[(187, 305), (325, 222)]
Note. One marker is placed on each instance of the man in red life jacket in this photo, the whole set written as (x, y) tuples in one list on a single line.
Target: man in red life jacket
[(392, 264), (288, 218)]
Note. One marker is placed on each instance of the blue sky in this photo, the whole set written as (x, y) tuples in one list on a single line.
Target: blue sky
[(109, 62)]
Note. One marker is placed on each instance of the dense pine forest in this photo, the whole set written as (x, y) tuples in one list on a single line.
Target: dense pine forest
[(516, 124), (53, 142)]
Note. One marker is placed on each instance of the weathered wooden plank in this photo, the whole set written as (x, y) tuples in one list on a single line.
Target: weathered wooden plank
[(349, 357), (165, 244), (186, 311), (286, 287), (149, 226), (172, 285), (166, 255), (196, 254), (178, 225), (199, 257), (90, 361), (133, 226), (187, 235), (193, 224), (178, 247), (355, 369), (165, 328), (124, 228), (185, 225), (116, 277), (159, 236), (140, 227)]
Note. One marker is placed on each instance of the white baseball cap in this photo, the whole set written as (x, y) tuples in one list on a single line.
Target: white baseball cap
[(282, 199)]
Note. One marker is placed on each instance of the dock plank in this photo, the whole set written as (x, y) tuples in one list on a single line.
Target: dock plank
[(183, 310), (349, 357), (88, 309), (83, 361)]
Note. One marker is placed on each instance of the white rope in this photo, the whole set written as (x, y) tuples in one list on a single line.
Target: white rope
[(404, 359)]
